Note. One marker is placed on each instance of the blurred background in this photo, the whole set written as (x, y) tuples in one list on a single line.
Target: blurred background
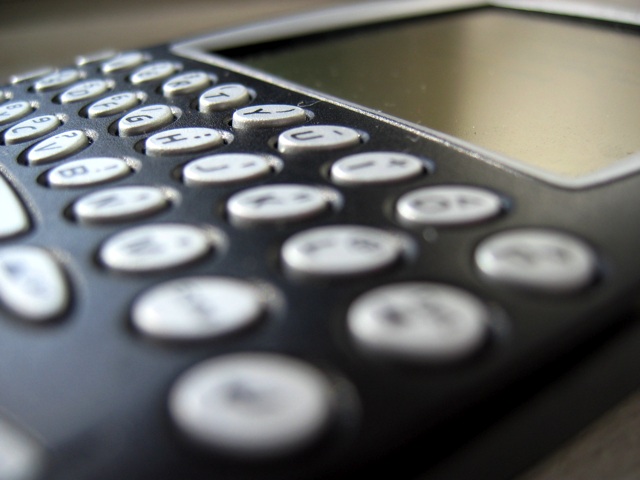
[(40, 33)]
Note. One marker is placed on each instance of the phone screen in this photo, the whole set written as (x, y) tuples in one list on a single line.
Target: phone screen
[(559, 94)]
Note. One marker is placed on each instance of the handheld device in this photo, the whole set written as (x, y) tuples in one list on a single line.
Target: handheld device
[(340, 243)]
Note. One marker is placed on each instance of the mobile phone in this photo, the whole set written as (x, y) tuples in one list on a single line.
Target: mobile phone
[(341, 243)]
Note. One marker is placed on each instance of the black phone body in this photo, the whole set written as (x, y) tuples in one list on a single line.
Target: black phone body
[(185, 219)]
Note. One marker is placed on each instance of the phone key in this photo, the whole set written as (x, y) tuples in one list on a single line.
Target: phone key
[(14, 219), (99, 56), (85, 91), (155, 247), (123, 61), (448, 205), (119, 204), (113, 104), (145, 119), (277, 203), (87, 172), (541, 260), (189, 82), (376, 168), (419, 322), (226, 168), (266, 116), (59, 146), (21, 457), (32, 284), (30, 75), (152, 72), (14, 111), (181, 141), (196, 308), (252, 405), (58, 79), (224, 97), (31, 129), (315, 138), (341, 250)]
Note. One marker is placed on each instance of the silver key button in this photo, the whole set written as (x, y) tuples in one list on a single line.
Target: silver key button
[(113, 104), (536, 259), (59, 146), (277, 203), (181, 141), (155, 247), (14, 219), (21, 456), (341, 250), (14, 111), (120, 204), (376, 167), (31, 129), (85, 91), (188, 82), (448, 205), (123, 61), (224, 97), (225, 168), (418, 322), (145, 119), (58, 79), (32, 285), (87, 171), (314, 138), (254, 405), (195, 308), (152, 72), (264, 116)]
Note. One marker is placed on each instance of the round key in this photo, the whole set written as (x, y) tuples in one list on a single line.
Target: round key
[(277, 203), (189, 82), (340, 250), (152, 72), (59, 146), (224, 97), (448, 205), (123, 61), (181, 141), (22, 457), (113, 104), (419, 322), (541, 260), (87, 171), (14, 219), (14, 111), (120, 204), (376, 167), (265, 116), (314, 138), (225, 168), (145, 119), (86, 90), (196, 308), (255, 405), (154, 247), (31, 129), (58, 79), (32, 285), (30, 75)]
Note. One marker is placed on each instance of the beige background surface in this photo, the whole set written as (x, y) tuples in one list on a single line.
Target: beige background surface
[(35, 33)]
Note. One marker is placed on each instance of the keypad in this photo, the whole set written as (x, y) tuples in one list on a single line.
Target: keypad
[(224, 213)]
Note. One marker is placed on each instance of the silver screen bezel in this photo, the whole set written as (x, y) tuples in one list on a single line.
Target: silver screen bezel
[(367, 13)]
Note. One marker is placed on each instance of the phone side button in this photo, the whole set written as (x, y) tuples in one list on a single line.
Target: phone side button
[(32, 284), (14, 219), (21, 457)]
